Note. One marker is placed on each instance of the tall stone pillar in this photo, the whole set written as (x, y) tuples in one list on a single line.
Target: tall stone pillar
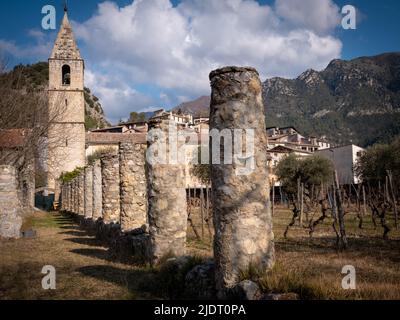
[(133, 185), (81, 194), (110, 188), (68, 197), (240, 198), (64, 197), (89, 192), (167, 209), (97, 191), (10, 206), (76, 197)]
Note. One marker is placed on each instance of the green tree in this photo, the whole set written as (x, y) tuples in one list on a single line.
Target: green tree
[(137, 117), (374, 164), (312, 171)]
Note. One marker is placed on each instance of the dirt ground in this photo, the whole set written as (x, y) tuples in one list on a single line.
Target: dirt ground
[(310, 267)]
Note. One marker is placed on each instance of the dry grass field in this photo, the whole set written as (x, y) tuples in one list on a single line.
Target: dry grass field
[(310, 267)]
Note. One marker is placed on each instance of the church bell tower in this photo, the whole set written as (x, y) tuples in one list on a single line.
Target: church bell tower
[(66, 133)]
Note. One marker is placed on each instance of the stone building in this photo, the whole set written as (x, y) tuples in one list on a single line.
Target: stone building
[(66, 134)]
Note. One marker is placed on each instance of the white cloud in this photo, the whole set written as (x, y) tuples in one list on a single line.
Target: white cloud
[(321, 16), (172, 49), (117, 97)]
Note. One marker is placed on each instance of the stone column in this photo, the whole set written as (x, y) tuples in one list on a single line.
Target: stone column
[(110, 188), (81, 193), (89, 192), (133, 185), (10, 206), (67, 197), (241, 204), (167, 208), (76, 198), (97, 193)]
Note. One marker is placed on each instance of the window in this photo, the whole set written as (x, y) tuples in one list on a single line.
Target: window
[(66, 75), (66, 102)]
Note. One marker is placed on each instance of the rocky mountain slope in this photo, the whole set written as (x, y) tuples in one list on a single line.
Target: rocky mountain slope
[(356, 101), (34, 78)]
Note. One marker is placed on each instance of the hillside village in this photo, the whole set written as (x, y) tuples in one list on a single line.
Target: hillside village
[(215, 230)]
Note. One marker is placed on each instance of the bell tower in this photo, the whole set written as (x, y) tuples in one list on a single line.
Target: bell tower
[(66, 133)]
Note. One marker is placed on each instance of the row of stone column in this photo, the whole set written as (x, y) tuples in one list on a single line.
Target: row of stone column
[(241, 205), (116, 189), (112, 188)]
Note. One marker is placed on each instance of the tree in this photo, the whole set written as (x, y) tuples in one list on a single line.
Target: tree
[(374, 164), (311, 171), (137, 117), (24, 113)]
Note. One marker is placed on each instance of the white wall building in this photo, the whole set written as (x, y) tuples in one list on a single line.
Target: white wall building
[(344, 159)]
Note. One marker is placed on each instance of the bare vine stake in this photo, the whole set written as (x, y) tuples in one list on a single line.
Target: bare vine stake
[(273, 198), (208, 190), (340, 212), (202, 212), (364, 201), (393, 199), (301, 204), (298, 197)]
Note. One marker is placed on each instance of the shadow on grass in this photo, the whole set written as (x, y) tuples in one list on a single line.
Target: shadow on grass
[(367, 246), (135, 280), (86, 241)]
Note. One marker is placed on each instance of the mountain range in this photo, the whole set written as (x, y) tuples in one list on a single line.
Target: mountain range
[(355, 101)]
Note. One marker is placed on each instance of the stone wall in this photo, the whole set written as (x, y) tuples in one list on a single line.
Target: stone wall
[(97, 191), (133, 186), (81, 194), (88, 194), (167, 208), (110, 188), (10, 206), (241, 204)]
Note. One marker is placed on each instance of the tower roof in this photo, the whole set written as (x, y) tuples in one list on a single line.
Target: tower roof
[(65, 46)]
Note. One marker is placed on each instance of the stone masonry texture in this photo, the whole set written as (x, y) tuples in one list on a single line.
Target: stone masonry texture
[(167, 212), (97, 193), (133, 186), (88, 192), (10, 206), (110, 188), (81, 193), (241, 204)]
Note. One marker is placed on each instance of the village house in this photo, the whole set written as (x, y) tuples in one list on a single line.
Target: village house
[(344, 159)]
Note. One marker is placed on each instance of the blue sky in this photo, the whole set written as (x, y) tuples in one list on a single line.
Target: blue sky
[(145, 54)]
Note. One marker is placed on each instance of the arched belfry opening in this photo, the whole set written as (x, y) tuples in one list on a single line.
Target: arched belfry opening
[(66, 75)]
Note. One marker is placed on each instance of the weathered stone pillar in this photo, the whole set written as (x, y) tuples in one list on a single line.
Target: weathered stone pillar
[(67, 194), (10, 206), (110, 188), (70, 197), (76, 197), (241, 204), (89, 192), (167, 209), (63, 197), (133, 185), (81, 193), (97, 193)]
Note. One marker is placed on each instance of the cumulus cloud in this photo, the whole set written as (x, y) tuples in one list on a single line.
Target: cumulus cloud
[(321, 16), (174, 48), (118, 98)]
